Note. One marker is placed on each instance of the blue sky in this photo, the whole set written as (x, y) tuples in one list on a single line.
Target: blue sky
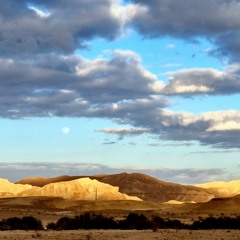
[(111, 86)]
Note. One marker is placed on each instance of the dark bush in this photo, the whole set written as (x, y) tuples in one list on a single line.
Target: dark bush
[(158, 222), (31, 223), (25, 223), (136, 221), (132, 221), (217, 223), (84, 221)]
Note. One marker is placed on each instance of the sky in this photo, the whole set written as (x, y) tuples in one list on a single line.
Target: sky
[(110, 86)]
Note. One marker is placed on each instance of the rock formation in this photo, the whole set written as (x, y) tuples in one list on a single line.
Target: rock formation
[(141, 185), (80, 189), (8, 189), (223, 189)]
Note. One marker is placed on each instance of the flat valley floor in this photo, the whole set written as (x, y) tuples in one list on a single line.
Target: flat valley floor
[(167, 234), (52, 209)]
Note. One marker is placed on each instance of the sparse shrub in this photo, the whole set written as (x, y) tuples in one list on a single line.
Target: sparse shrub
[(158, 222), (136, 221), (217, 223), (51, 225), (84, 221), (25, 223)]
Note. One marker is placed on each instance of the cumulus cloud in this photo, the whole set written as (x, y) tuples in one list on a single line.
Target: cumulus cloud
[(41, 76), (171, 17), (218, 21), (223, 121), (26, 29), (74, 86), (117, 88), (218, 129), (190, 82)]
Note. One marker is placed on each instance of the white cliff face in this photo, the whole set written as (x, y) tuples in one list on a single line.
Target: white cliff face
[(10, 189), (223, 189), (80, 189)]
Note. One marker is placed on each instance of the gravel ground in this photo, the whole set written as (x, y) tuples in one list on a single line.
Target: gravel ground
[(122, 235)]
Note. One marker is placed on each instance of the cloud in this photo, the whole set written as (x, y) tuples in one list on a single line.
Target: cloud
[(69, 23), (118, 88), (172, 144), (109, 143), (17, 171), (228, 46), (122, 132), (223, 120), (171, 17), (215, 20), (191, 82), (218, 129), (74, 86), (41, 76)]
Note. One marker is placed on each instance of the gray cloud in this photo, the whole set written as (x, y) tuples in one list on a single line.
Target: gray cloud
[(37, 79), (17, 171), (172, 144), (73, 86), (106, 88), (228, 46), (122, 132), (217, 129), (216, 20), (64, 29), (187, 19), (190, 82)]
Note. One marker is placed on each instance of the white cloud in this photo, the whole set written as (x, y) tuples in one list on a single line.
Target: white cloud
[(39, 12), (226, 126), (41, 78), (203, 81), (191, 89), (223, 120), (122, 132)]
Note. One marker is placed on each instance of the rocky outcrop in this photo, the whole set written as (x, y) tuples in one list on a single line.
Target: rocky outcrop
[(223, 189), (153, 189), (6, 195), (80, 189), (141, 185), (8, 189)]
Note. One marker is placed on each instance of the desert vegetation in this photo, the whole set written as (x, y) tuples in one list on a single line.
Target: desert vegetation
[(24, 223), (132, 221)]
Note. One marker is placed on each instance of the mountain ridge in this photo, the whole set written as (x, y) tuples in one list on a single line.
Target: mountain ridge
[(222, 188), (137, 184), (79, 189), (132, 185)]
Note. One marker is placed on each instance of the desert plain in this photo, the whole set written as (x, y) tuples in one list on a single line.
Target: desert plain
[(49, 209), (167, 234)]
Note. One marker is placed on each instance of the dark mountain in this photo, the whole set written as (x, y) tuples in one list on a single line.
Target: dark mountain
[(136, 184)]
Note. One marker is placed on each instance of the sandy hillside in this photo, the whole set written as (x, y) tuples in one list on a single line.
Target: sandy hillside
[(145, 187), (79, 189), (222, 189)]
